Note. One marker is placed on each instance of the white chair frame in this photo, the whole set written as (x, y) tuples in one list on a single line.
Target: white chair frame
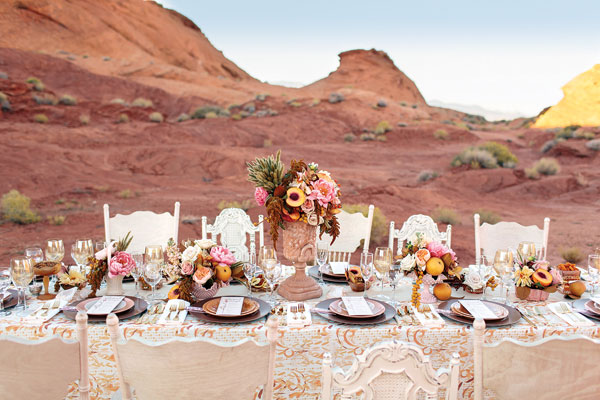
[(161, 370), (353, 228), (242, 226), (147, 227), (405, 360), (562, 367), (44, 369), (418, 223), (489, 238)]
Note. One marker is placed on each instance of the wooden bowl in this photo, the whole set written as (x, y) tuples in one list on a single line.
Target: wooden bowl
[(46, 268)]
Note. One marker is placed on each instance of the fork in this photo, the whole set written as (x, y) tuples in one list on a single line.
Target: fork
[(538, 311), (301, 310), (410, 313), (424, 310), (294, 311), (575, 317)]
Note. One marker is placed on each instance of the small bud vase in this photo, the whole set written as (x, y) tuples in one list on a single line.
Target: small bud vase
[(114, 286)]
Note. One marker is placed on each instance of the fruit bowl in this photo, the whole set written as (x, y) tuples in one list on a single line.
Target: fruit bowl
[(355, 279)]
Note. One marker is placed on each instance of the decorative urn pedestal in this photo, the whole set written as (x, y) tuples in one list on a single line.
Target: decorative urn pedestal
[(299, 247)]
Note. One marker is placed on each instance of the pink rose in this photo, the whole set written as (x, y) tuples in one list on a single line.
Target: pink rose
[(222, 255), (202, 275), (436, 249), (121, 264), (187, 268), (308, 206), (323, 191), (260, 195), (556, 277)]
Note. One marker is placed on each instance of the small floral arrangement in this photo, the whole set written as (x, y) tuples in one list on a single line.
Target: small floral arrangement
[(70, 279), (533, 274), (120, 263), (198, 263), (304, 193), (473, 282), (421, 256)]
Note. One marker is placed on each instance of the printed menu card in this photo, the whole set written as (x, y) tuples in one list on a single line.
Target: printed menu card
[(105, 305), (230, 306), (478, 309), (357, 305)]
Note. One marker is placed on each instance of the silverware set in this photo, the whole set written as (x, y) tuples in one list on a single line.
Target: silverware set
[(569, 314), (175, 309), (152, 314), (47, 309), (407, 315)]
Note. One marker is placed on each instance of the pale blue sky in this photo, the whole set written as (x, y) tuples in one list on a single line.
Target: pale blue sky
[(502, 55)]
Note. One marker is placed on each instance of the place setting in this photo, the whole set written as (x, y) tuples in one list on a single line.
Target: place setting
[(229, 309), (355, 310), (98, 308), (332, 272), (466, 311), (579, 310)]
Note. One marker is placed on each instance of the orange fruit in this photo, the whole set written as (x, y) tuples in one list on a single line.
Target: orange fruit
[(174, 292), (434, 266), (442, 291), (577, 288), (223, 272)]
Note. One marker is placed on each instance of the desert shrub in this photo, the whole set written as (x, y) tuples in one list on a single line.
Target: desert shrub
[(440, 134), (16, 208), (572, 254), (102, 188), (593, 145), (125, 194), (142, 102), (582, 180), (57, 220), (3, 97), (584, 134), (381, 138), (349, 137), (567, 132), (501, 153), (118, 101), (236, 117), (403, 104), (367, 137), (402, 124), (33, 80), (67, 100), (40, 118), (336, 98), (475, 158), (488, 216), (315, 102), (47, 100), (521, 135), (3, 75), (84, 119), (261, 97), (295, 104), (549, 145), (547, 166), (445, 216), (183, 117), (211, 114), (379, 229), (123, 119), (383, 127), (244, 204), (532, 173), (427, 175), (201, 112), (156, 117), (267, 143), (381, 103), (415, 106)]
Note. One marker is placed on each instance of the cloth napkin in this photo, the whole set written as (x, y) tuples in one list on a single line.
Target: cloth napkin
[(40, 314), (295, 320), (165, 318), (436, 321), (573, 318)]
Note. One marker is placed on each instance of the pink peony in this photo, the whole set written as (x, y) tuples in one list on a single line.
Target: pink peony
[(222, 255), (187, 268), (436, 249), (260, 195), (323, 191), (121, 264)]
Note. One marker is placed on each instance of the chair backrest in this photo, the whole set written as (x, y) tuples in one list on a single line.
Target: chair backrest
[(418, 223), (503, 235), (354, 228), (193, 368), (391, 370), (146, 227), (230, 229), (44, 369), (553, 368)]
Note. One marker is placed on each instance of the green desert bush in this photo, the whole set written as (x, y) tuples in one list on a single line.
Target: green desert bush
[(567, 132), (57, 220), (427, 175), (16, 208), (593, 145), (67, 100), (244, 204), (40, 118), (547, 166), (379, 229), (32, 80), (3, 97), (488, 216), (236, 117), (349, 137), (501, 153), (123, 119), (156, 117), (584, 134), (267, 143), (572, 254), (84, 119), (45, 100), (118, 101), (383, 127), (211, 114), (446, 216), (549, 145), (381, 138), (315, 102), (183, 117), (531, 173), (366, 137), (475, 158), (125, 194), (440, 134), (142, 102), (201, 112)]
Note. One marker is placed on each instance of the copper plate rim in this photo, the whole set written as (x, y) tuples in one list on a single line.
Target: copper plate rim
[(314, 272), (579, 306), (513, 315), (252, 309), (128, 305), (389, 313), (468, 315), (336, 307), (263, 310), (139, 307)]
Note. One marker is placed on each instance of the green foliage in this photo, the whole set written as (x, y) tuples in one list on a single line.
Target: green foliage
[(16, 208), (366, 137), (381, 138), (156, 117), (475, 158), (572, 255), (567, 132), (40, 118), (47, 100), (3, 97), (383, 127), (446, 216), (201, 112), (415, 106), (118, 101), (584, 134), (125, 194), (236, 117), (315, 102), (379, 229), (349, 137), (57, 220), (488, 216), (531, 173), (142, 102), (266, 172), (67, 100), (440, 134), (123, 119), (427, 175), (295, 104), (183, 117), (33, 80), (244, 204), (211, 114), (549, 145), (593, 145), (502, 154), (547, 166), (84, 119), (267, 143)]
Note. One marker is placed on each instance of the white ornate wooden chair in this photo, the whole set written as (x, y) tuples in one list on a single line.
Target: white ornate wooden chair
[(391, 370), (192, 368), (231, 227), (553, 368), (40, 370), (354, 228), (418, 223), (146, 227), (489, 238)]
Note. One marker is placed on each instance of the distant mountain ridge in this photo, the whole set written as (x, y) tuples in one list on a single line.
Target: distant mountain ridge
[(490, 115)]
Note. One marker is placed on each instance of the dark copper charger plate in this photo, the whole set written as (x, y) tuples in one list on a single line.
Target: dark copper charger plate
[(263, 310), (139, 307), (314, 272), (388, 314), (513, 315), (579, 306), (11, 300)]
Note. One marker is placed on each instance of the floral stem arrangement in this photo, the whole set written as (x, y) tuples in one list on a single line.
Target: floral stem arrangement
[(198, 266), (303, 194), (121, 263), (533, 274)]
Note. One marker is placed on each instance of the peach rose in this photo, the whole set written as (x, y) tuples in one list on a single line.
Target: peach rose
[(422, 256)]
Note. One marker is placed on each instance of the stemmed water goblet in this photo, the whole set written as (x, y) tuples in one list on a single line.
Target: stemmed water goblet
[(35, 253), (322, 256), (272, 271), (4, 284), (154, 254), (366, 269), (484, 273), (395, 275), (21, 272), (382, 260), (138, 270), (152, 276), (504, 267), (80, 252), (593, 271), (249, 269)]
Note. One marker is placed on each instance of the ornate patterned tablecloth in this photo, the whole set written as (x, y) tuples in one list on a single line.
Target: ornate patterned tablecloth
[(300, 350)]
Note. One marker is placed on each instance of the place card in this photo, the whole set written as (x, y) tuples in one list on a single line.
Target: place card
[(478, 309), (338, 267), (230, 306), (105, 305), (357, 305)]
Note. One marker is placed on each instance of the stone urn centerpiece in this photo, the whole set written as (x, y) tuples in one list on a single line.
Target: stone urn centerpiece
[(299, 247)]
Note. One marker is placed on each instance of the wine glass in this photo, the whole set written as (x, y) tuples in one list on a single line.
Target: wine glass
[(593, 271), (526, 250), (153, 275), (272, 272), (366, 268), (154, 254), (35, 253), (21, 272), (55, 250), (250, 270), (382, 260), (395, 275), (503, 265), (484, 274), (137, 270), (322, 256), (266, 253), (81, 251), (4, 284)]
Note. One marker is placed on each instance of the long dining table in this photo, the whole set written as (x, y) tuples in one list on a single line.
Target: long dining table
[(299, 350)]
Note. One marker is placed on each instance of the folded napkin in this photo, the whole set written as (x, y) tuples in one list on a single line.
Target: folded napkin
[(335, 292), (296, 320), (44, 311), (175, 312), (572, 317), (430, 318)]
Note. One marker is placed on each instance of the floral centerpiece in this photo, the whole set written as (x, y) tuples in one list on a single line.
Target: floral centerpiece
[(120, 264), (70, 279), (304, 194), (534, 280), (200, 268)]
